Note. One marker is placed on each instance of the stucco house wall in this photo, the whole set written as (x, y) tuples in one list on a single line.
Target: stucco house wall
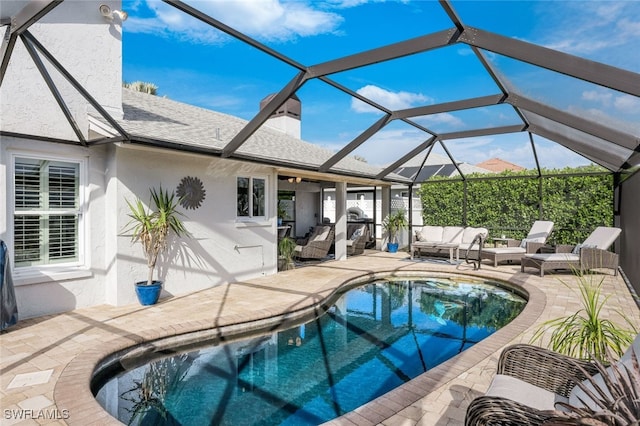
[(222, 248), (89, 48)]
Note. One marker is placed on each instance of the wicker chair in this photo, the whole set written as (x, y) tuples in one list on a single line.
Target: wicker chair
[(357, 238), (591, 254), (317, 245), (534, 241), (530, 381), (551, 373)]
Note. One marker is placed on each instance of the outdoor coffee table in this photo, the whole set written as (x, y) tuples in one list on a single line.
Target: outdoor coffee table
[(415, 248)]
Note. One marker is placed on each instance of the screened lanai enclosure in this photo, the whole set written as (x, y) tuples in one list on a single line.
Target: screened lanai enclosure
[(460, 88)]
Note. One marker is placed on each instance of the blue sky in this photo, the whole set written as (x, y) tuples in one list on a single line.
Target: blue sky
[(196, 64)]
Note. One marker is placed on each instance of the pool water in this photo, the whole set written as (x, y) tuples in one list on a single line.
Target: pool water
[(373, 339)]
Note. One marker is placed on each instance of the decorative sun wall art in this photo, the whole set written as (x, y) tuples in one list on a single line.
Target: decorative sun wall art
[(191, 192)]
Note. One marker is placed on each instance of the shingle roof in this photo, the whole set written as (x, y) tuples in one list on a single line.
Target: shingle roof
[(156, 118)]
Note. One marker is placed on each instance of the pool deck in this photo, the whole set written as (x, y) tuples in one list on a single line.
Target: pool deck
[(46, 362)]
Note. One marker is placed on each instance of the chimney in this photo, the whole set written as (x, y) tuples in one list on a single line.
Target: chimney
[(286, 118)]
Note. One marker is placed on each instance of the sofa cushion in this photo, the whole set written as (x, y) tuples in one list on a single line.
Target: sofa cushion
[(320, 233), (452, 234), (470, 233), (504, 386), (431, 234), (579, 398)]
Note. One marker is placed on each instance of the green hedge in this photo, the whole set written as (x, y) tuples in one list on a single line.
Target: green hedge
[(575, 201)]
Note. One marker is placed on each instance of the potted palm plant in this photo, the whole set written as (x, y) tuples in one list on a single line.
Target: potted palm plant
[(286, 250), (282, 213), (152, 228), (394, 223)]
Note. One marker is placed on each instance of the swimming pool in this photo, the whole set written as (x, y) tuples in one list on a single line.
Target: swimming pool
[(373, 339)]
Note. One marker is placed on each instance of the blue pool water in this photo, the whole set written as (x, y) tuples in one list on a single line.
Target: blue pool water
[(373, 339)]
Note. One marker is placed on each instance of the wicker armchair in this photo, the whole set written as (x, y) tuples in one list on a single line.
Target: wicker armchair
[(545, 369), (317, 245), (357, 238)]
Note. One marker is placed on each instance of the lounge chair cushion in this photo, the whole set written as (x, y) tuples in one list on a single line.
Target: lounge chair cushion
[(503, 250), (525, 393), (430, 234), (540, 231), (602, 237), (558, 257)]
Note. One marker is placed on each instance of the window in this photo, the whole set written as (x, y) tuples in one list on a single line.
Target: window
[(251, 194), (46, 213)]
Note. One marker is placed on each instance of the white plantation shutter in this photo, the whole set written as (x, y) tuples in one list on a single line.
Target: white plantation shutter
[(46, 216)]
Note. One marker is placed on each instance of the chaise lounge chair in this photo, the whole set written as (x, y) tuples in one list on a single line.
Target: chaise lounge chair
[(530, 381), (592, 253), (317, 245), (540, 231)]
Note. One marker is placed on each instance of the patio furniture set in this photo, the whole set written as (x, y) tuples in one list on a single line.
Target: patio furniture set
[(531, 252)]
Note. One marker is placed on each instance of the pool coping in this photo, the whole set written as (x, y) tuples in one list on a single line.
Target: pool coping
[(72, 390)]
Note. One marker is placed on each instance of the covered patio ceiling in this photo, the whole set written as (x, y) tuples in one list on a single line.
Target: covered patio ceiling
[(605, 138)]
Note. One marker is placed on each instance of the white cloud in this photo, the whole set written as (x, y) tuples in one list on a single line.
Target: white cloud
[(605, 29), (266, 20), (445, 118), (627, 103), (596, 96), (387, 146), (385, 98)]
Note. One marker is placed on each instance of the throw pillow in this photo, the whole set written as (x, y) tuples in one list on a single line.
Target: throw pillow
[(322, 234), (419, 236), (523, 243), (356, 234), (578, 247)]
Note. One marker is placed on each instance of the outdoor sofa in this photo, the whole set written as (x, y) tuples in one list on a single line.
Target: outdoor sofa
[(530, 381), (532, 243), (591, 254), (440, 240)]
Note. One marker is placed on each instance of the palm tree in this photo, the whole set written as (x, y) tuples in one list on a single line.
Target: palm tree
[(141, 86)]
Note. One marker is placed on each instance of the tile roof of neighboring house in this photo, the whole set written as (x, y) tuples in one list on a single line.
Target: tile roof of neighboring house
[(499, 165), (160, 119)]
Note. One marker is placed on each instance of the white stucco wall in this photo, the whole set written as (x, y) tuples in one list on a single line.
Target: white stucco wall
[(88, 47), (222, 248)]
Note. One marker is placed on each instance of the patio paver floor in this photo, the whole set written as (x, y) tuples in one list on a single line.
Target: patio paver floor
[(70, 344)]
